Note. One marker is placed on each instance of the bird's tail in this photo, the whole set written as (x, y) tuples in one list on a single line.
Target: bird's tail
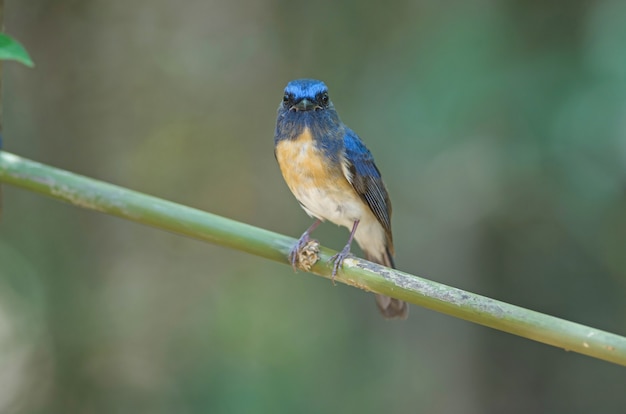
[(391, 308)]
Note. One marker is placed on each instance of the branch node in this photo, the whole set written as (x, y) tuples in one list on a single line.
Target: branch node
[(308, 255)]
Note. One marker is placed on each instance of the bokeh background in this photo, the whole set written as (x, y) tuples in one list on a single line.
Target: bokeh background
[(500, 129)]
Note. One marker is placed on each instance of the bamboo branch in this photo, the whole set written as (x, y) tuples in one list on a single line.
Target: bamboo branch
[(96, 195)]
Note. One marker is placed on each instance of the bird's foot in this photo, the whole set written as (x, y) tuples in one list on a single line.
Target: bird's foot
[(337, 261)]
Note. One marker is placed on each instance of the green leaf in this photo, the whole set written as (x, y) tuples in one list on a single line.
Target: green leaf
[(11, 49)]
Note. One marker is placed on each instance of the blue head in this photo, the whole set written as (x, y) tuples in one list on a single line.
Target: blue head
[(306, 104), (306, 95)]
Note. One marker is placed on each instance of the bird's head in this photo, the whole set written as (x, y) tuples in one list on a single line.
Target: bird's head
[(306, 95)]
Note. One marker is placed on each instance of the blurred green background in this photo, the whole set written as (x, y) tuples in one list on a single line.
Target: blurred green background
[(500, 130)]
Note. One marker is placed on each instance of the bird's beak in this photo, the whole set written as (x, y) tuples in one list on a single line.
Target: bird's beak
[(304, 105)]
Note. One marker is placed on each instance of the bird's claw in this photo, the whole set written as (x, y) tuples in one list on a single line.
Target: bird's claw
[(293, 254), (337, 261)]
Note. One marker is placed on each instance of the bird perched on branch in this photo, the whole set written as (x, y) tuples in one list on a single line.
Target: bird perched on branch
[(333, 176)]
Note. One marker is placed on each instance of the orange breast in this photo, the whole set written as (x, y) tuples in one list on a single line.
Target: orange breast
[(320, 187), (302, 165)]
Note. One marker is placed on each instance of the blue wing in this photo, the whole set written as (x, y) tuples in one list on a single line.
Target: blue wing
[(366, 179)]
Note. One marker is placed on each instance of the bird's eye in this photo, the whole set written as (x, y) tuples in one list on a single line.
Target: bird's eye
[(324, 99), (286, 98)]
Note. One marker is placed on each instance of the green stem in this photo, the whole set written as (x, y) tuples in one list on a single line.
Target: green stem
[(95, 195)]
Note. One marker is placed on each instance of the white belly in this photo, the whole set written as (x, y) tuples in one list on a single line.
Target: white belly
[(341, 206), (325, 205)]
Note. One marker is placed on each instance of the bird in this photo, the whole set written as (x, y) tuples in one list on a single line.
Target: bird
[(333, 176)]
